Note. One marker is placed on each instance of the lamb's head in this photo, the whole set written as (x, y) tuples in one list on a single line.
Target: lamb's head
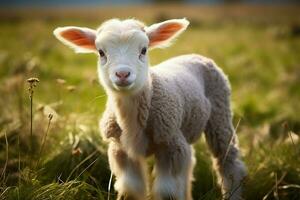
[(122, 48)]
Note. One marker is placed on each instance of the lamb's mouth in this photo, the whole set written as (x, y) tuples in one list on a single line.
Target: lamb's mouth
[(123, 86)]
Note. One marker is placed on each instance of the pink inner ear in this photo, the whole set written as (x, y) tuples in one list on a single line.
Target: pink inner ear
[(164, 33), (79, 38)]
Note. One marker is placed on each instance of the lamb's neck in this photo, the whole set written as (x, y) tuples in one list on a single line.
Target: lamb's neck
[(134, 107), (132, 114)]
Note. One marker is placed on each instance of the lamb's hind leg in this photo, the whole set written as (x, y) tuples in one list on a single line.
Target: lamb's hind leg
[(130, 176), (173, 170), (222, 140)]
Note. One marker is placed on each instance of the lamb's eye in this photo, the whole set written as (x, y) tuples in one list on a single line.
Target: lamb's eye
[(101, 53), (144, 51)]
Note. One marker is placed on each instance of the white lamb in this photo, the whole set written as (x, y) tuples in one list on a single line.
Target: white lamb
[(159, 111)]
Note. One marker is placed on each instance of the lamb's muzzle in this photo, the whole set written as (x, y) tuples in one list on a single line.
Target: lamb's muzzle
[(122, 77), (159, 111)]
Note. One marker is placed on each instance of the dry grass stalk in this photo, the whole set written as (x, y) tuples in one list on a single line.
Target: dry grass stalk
[(50, 117), (6, 160), (32, 84)]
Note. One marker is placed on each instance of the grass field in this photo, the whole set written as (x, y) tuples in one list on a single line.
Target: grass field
[(258, 47)]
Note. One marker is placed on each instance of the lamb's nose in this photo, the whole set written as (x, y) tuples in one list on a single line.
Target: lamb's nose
[(122, 75)]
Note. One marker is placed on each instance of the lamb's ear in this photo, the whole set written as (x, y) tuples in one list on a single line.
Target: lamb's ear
[(82, 40), (161, 34)]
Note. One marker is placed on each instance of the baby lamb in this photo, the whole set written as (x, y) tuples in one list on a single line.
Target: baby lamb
[(160, 110)]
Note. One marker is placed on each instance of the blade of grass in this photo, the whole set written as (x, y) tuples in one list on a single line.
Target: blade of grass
[(289, 186), (83, 161), (290, 135), (87, 168), (97, 97), (230, 141), (275, 186), (109, 185), (6, 158), (19, 160)]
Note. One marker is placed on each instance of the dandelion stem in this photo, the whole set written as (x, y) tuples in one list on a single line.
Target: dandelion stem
[(32, 84), (31, 118)]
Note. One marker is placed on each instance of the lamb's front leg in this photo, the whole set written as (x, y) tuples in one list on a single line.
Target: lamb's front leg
[(109, 126), (173, 170), (130, 173)]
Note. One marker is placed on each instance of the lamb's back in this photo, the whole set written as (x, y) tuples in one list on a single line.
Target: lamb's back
[(179, 95)]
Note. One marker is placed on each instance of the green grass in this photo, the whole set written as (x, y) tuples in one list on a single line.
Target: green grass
[(258, 49)]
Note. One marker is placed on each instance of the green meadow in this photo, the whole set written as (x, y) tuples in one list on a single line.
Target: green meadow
[(63, 157)]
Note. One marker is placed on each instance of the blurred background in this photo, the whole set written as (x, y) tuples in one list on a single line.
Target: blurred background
[(256, 43)]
